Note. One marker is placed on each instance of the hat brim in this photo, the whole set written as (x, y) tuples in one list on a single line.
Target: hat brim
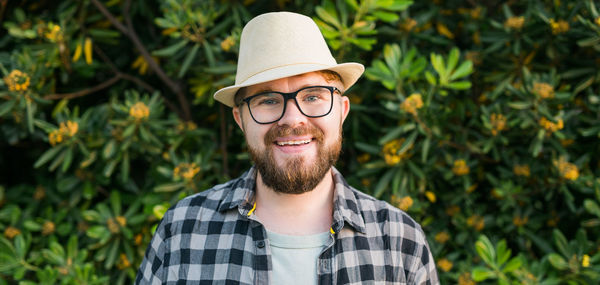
[(350, 72)]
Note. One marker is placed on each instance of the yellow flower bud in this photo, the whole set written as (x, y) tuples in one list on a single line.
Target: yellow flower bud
[(460, 167), (87, 50), (444, 264), (139, 111), (559, 27), (77, 53), (514, 22)]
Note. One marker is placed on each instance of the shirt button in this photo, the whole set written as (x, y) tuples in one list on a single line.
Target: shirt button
[(260, 244)]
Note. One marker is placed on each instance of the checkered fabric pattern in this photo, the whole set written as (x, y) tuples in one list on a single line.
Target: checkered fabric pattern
[(209, 238)]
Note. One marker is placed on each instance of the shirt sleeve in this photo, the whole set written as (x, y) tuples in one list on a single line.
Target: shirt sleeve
[(425, 271), (151, 270)]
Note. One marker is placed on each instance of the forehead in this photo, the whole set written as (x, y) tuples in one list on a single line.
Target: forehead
[(289, 84)]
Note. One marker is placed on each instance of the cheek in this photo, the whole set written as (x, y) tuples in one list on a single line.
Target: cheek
[(255, 134)]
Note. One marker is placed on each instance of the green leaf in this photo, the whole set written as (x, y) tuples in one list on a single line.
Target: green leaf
[(430, 78), (30, 119), (463, 70), (328, 17), (363, 43), (438, 64), (159, 210), (396, 132), (97, 232), (384, 182), (592, 207), (561, 243), (129, 131), (397, 5), (408, 143), (485, 249), (49, 154), (558, 261), (367, 148), (502, 253), (386, 16), (170, 50), (91, 216), (125, 165), (115, 202), (110, 167), (52, 257), (452, 59), (72, 248), (45, 126), (481, 273), (188, 60), (62, 104), (103, 33), (109, 149), (89, 160), (208, 52), (7, 107), (112, 254), (68, 159), (169, 187), (67, 184), (460, 85), (519, 105), (512, 265), (584, 84), (164, 23), (392, 55), (32, 226), (21, 246), (58, 160), (425, 150)]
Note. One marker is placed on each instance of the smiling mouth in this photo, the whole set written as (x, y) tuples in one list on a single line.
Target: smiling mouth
[(295, 142)]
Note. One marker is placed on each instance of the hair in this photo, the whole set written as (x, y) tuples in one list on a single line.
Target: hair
[(329, 75)]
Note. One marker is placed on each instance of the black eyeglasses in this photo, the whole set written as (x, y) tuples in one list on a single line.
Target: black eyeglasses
[(312, 101)]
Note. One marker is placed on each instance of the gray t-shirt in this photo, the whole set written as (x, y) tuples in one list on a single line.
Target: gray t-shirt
[(295, 257)]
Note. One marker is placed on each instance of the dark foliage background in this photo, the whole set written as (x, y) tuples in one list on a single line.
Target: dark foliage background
[(480, 119)]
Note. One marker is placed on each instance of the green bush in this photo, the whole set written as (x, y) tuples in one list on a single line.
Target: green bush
[(481, 120)]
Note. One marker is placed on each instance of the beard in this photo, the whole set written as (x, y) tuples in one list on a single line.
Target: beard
[(295, 177)]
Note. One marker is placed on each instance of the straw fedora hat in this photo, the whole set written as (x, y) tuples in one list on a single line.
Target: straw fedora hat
[(283, 44)]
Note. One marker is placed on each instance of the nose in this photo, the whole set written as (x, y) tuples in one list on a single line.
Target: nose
[(292, 116)]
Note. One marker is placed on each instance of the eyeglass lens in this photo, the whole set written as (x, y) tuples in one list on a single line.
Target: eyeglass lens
[(313, 102)]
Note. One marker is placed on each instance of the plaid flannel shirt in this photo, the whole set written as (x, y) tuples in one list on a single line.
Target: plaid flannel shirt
[(209, 238)]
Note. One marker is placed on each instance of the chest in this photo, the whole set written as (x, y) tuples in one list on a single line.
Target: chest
[(237, 251)]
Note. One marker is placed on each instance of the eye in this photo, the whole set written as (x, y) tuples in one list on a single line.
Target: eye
[(266, 100), (314, 95), (312, 98)]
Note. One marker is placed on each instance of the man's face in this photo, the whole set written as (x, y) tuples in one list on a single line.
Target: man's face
[(294, 154)]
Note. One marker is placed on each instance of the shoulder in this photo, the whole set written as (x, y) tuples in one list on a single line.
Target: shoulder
[(404, 234), (202, 205), (397, 226), (382, 212)]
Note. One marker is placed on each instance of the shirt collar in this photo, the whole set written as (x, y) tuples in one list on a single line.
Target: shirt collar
[(346, 208)]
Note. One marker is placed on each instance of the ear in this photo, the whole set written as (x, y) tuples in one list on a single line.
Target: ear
[(237, 116), (345, 105)]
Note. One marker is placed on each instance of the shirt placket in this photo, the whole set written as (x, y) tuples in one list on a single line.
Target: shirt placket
[(261, 262), (325, 263)]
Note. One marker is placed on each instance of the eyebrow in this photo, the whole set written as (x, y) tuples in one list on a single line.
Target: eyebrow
[(268, 89)]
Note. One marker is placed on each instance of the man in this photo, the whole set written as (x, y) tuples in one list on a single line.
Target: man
[(292, 218)]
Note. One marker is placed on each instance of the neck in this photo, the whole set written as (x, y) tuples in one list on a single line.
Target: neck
[(296, 214)]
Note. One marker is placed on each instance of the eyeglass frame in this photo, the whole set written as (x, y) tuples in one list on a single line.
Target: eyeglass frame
[(288, 96)]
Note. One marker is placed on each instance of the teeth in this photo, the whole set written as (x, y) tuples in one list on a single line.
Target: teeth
[(293, 142)]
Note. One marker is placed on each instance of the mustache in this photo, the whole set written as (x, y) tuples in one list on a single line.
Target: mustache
[(282, 131)]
